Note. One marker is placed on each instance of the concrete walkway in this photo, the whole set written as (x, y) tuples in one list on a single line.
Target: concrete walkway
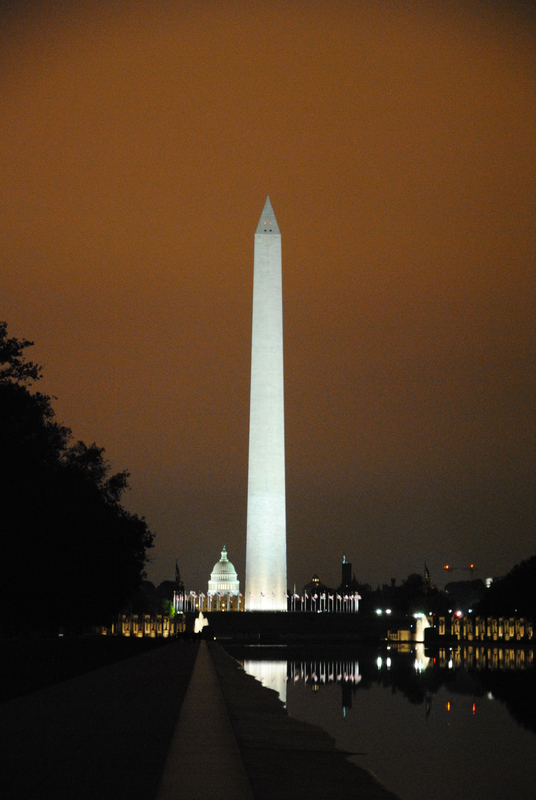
[(204, 762), (104, 735)]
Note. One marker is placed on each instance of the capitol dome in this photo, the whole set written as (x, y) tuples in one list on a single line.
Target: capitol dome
[(224, 578)]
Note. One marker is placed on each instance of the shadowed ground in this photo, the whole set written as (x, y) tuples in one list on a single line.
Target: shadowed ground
[(123, 731), (101, 735)]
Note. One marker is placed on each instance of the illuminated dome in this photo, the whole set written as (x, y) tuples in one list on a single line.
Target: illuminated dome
[(224, 578)]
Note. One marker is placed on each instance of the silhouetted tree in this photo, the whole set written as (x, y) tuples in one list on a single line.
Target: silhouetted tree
[(13, 365), (515, 594), (71, 554), (417, 593), (411, 595), (464, 595), (151, 599)]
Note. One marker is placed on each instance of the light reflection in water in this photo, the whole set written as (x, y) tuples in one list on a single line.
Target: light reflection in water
[(272, 675), (324, 671), (458, 740), (421, 660)]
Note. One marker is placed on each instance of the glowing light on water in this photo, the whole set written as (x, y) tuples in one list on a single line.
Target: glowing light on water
[(272, 674)]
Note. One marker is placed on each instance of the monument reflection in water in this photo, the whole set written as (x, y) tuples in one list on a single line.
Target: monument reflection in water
[(272, 675), (456, 722)]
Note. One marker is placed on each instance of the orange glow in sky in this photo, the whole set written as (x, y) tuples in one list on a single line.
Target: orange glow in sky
[(397, 142)]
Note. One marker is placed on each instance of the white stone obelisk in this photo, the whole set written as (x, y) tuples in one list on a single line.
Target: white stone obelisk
[(266, 548)]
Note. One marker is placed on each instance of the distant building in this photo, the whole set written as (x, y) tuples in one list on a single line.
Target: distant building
[(223, 588), (223, 577), (313, 597), (349, 584), (315, 585), (317, 596), (346, 574)]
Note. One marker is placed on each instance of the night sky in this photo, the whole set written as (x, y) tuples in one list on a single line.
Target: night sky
[(397, 142)]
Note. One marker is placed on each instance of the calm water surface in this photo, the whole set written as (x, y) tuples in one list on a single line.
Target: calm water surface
[(446, 727)]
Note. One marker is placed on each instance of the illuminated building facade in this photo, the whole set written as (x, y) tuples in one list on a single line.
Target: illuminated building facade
[(223, 579)]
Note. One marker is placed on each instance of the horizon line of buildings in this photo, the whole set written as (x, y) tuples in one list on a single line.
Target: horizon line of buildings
[(223, 593)]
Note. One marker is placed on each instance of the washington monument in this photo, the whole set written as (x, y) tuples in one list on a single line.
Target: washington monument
[(266, 548)]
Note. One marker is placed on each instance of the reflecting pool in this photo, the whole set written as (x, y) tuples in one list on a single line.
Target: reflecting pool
[(437, 724)]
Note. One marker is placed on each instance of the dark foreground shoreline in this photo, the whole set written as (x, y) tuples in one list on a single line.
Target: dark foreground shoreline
[(107, 734), (286, 759)]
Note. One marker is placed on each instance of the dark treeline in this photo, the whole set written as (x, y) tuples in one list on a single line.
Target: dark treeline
[(512, 595), (415, 594), (72, 556), (151, 599)]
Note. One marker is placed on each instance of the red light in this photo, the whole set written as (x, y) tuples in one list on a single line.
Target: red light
[(446, 566), (448, 706), (474, 709)]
